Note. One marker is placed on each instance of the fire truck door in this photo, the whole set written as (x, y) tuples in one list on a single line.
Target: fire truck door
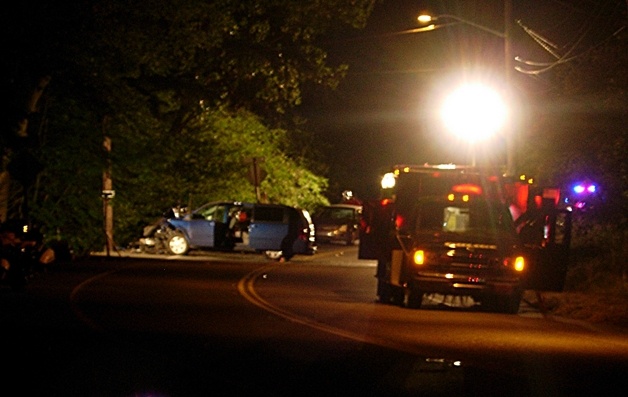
[(375, 227), (550, 260)]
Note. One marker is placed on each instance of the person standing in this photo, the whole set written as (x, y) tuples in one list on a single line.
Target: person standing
[(287, 244)]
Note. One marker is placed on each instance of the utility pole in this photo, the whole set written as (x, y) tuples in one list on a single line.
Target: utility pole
[(512, 134), (107, 194)]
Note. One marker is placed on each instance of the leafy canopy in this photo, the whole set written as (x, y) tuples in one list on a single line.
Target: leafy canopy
[(187, 91)]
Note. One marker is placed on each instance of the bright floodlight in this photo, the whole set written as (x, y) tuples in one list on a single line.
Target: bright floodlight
[(474, 112)]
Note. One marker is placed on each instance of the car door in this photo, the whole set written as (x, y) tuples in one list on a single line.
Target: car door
[(269, 226), (205, 224)]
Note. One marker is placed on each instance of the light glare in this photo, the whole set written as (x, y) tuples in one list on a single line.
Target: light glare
[(388, 181), (474, 112)]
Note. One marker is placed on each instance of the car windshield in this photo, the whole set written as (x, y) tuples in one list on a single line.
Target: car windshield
[(212, 212), (470, 217)]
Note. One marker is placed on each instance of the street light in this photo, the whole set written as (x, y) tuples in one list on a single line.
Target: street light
[(425, 19), (474, 112), (508, 65)]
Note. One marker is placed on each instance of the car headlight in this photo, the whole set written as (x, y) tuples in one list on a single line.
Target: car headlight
[(422, 257), (419, 257), (517, 263)]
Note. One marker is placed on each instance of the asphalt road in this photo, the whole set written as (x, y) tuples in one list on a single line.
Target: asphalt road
[(237, 324)]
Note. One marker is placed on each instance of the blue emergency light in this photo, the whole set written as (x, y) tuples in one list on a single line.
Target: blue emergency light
[(584, 188)]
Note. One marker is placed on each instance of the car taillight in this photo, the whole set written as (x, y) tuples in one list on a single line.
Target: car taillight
[(303, 235)]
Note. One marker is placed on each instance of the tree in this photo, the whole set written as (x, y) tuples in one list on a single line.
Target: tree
[(175, 85), (586, 138)]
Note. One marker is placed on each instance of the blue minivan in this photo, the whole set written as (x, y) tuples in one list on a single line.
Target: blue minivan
[(278, 231)]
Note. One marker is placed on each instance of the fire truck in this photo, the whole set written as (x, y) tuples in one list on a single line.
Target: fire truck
[(464, 231)]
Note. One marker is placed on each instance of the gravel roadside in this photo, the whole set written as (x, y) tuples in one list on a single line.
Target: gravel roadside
[(598, 309)]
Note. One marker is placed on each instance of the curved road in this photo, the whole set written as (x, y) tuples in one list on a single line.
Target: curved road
[(238, 324)]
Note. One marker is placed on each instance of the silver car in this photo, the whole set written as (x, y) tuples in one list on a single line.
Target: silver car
[(338, 223)]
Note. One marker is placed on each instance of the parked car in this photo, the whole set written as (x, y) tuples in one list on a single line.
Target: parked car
[(338, 223), (278, 231)]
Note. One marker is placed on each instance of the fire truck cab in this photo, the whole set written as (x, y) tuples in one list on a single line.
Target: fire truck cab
[(460, 230)]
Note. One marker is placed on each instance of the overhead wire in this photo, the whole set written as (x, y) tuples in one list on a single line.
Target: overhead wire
[(551, 47)]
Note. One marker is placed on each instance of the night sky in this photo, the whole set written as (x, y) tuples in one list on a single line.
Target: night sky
[(384, 112)]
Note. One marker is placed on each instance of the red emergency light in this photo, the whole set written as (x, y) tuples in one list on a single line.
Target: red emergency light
[(385, 202), (467, 188)]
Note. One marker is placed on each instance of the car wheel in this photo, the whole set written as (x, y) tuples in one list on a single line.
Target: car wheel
[(177, 244), (273, 255)]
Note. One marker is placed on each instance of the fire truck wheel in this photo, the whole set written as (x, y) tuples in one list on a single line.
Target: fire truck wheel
[(415, 298), (390, 294), (398, 296), (384, 292), (511, 303), (489, 303)]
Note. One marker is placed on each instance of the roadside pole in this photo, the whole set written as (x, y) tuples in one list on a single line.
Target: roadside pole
[(107, 195)]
